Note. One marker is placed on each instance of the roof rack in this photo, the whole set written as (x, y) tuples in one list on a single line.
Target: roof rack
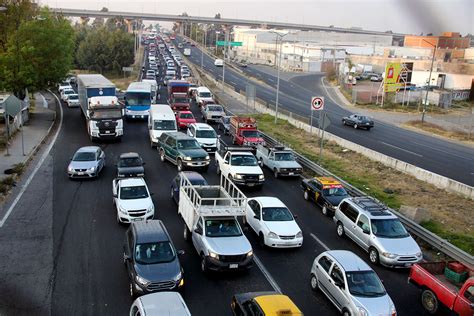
[(234, 148), (372, 206)]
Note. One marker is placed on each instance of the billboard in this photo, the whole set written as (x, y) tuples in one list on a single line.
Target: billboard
[(397, 75)]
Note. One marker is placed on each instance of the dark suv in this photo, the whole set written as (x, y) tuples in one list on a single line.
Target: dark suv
[(151, 259), (182, 150)]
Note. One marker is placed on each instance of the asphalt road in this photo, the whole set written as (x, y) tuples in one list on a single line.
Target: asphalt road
[(90, 278), (446, 158)]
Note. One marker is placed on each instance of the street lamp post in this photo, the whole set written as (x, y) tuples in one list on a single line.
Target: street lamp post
[(429, 83), (280, 37)]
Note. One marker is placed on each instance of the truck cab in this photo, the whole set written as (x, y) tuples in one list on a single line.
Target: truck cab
[(240, 166), (244, 131), (104, 116), (210, 216)]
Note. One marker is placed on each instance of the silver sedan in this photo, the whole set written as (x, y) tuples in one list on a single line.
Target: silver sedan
[(87, 162)]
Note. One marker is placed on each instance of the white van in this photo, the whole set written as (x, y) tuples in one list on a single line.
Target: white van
[(203, 96), (151, 59), (187, 52), (161, 119)]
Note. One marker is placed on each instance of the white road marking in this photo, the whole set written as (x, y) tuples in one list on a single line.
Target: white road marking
[(270, 79), (396, 147), (267, 274), (320, 242), (38, 166), (441, 150), (233, 83)]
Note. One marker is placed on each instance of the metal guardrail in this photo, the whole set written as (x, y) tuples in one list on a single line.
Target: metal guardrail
[(428, 237)]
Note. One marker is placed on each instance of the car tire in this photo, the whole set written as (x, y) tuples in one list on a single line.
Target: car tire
[(218, 170), (368, 128), (340, 229), (179, 165), (172, 193), (204, 264), (346, 313), (261, 241), (152, 144), (343, 122), (186, 233), (355, 126), (373, 255), (429, 301), (324, 210), (162, 155), (313, 282), (306, 195), (132, 291), (275, 173)]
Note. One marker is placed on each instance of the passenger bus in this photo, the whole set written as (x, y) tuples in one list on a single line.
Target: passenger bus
[(138, 100)]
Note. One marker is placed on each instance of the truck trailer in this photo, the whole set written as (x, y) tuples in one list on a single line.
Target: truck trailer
[(100, 107)]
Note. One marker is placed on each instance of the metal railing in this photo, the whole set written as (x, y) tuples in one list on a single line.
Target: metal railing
[(420, 232)]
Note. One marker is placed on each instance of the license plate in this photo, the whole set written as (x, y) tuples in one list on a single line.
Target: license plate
[(233, 266), (251, 184), (80, 173), (137, 219), (107, 132), (208, 149), (291, 173)]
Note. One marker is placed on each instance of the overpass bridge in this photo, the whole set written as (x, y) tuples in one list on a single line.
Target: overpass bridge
[(210, 20)]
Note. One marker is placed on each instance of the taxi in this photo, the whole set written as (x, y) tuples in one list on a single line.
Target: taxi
[(326, 192), (264, 303)]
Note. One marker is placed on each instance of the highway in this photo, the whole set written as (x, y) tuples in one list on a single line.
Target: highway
[(90, 278), (442, 157)]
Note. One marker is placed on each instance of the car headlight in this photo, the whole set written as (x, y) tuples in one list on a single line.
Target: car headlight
[(187, 158), (272, 235), (213, 255), (92, 169), (140, 175), (178, 277), (141, 280), (70, 169), (150, 209), (250, 253), (122, 210), (362, 311), (261, 177), (393, 310), (299, 235), (419, 254), (207, 157), (239, 176), (389, 255)]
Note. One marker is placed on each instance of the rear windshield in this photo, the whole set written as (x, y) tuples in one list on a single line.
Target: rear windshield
[(214, 108), (205, 94), (164, 125), (206, 133)]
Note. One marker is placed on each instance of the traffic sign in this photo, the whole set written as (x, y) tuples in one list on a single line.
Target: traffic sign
[(317, 103), (129, 69), (225, 43)]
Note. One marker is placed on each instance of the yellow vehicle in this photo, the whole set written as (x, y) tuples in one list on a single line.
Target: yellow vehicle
[(264, 303), (326, 192)]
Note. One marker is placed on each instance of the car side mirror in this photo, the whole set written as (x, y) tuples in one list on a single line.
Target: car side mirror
[(338, 283), (260, 163), (127, 257), (256, 217), (115, 195), (198, 231), (181, 252), (365, 231), (143, 163), (151, 193), (295, 216)]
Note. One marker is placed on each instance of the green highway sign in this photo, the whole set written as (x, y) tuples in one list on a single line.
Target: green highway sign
[(224, 43)]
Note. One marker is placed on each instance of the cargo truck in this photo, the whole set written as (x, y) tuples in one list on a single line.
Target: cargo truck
[(178, 98), (100, 107), (210, 216), (244, 131), (448, 284)]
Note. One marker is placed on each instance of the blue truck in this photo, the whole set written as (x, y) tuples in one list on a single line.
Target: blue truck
[(100, 107)]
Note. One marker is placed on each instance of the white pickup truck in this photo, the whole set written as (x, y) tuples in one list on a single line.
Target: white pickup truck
[(210, 216), (240, 166), (278, 159)]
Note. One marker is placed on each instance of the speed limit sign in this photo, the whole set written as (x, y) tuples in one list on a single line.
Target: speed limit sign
[(317, 103)]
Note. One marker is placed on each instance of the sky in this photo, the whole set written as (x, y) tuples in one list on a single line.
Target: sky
[(400, 16)]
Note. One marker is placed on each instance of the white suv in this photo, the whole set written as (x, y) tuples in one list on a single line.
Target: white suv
[(205, 135), (378, 231), (132, 200)]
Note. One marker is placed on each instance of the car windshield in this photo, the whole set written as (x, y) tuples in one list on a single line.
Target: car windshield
[(106, 114), (188, 144), (198, 181), (214, 108), (364, 284), (73, 97), (222, 228), (243, 160), (156, 252), (205, 94), (69, 92), (138, 98), (388, 228), (132, 193), (226, 120), (164, 125), (284, 157), (208, 133), (186, 115), (250, 133), (180, 100), (335, 191), (84, 156), (276, 214), (130, 162), (364, 118)]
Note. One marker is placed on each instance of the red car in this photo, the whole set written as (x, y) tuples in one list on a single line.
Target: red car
[(184, 118)]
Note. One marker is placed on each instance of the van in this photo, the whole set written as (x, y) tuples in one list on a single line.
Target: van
[(203, 96), (161, 119), (151, 59)]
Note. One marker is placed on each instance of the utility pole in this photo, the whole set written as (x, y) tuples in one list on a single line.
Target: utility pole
[(428, 84), (279, 36), (226, 34)]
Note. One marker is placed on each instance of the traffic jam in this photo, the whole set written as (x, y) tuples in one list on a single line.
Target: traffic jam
[(189, 130)]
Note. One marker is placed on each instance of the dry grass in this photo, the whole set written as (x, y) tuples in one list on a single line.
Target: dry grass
[(440, 131), (452, 214)]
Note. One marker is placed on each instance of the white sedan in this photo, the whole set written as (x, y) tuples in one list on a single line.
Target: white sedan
[(132, 200), (273, 223)]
